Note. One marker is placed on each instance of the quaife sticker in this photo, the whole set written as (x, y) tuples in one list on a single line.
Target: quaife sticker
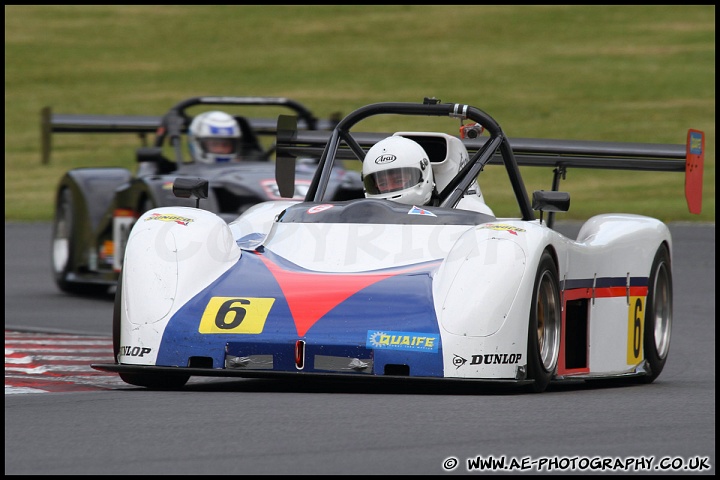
[(243, 315), (419, 342)]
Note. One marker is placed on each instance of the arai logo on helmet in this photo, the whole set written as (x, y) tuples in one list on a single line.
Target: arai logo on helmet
[(386, 158)]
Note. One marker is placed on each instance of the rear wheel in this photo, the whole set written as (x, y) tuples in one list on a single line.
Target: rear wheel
[(544, 325), (658, 315)]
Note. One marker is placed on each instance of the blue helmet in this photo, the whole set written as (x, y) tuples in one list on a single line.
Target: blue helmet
[(214, 137)]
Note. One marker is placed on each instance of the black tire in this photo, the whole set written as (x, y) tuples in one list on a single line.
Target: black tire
[(145, 205), (64, 237), (151, 381), (61, 248), (155, 381), (658, 315), (117, 312), (544, 326)]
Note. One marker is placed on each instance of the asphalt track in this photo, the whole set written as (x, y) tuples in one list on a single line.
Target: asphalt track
[(243, 427)]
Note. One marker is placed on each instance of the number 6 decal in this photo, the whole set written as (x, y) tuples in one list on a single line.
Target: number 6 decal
[(243, 315), (636, 321)]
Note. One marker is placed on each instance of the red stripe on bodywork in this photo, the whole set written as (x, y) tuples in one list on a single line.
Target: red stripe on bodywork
[(606, 292), (310, 295)]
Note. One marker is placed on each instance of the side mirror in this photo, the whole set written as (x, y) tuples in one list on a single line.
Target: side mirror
[(184, 187), (550, 201)]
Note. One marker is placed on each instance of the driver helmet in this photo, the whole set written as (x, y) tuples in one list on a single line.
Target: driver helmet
[(214, 137), (397, 168)]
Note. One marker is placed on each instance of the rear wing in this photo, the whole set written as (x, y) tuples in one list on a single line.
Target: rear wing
[(562, 154), (559, 154), (51, 123)]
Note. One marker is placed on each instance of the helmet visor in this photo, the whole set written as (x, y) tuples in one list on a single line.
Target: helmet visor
[(223, 146), (393, 180)]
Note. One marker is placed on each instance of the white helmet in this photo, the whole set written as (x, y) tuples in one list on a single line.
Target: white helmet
[(214, 137), (397, 168), (449, 154)]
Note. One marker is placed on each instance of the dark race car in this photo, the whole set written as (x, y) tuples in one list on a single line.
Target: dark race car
[(95, 208)]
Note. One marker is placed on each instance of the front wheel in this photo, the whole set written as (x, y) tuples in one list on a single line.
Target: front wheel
[(117, 317), (64, 238), (658, 315), (155, 381), (151, 381), (544, 325)]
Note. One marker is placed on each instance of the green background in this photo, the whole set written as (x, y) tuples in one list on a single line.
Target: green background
[(609, 73)]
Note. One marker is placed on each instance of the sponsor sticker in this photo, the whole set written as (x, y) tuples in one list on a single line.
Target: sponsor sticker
[(413, 341), (169, 217), (319, 208), (488, 359), (420, 211), (385, 158), (502, 228), (133, 351), (695, 143)]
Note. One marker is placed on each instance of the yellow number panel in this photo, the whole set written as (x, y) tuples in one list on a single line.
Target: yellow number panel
[(636, 325), (235, 315)]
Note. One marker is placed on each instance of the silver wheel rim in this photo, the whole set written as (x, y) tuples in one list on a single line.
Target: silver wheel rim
[(548, 322), (60, 254), (61, 242), (662, 307)]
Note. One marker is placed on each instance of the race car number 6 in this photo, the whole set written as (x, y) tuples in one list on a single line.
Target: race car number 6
[(636, 316), (235, 315)]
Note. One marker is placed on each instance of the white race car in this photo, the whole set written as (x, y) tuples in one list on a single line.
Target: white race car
[(371, 288)]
